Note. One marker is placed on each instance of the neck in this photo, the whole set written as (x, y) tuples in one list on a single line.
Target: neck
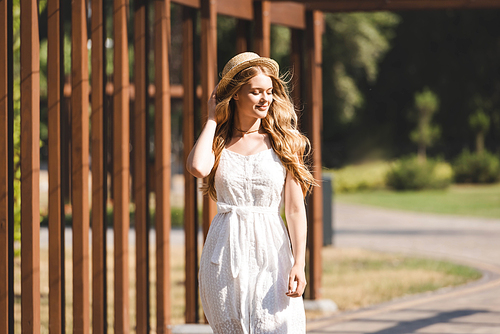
[(247, 125)]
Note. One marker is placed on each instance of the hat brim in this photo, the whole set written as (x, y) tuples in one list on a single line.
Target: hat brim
[(226, 79)]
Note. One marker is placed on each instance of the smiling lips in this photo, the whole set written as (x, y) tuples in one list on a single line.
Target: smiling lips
[(262, 107)]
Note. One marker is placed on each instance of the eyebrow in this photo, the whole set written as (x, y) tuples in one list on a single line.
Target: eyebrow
[(251, 88)]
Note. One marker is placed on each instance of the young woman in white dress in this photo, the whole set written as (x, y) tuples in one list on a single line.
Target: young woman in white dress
[(253, 155)]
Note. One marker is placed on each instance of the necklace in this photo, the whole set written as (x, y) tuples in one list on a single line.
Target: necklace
[(247, 132)]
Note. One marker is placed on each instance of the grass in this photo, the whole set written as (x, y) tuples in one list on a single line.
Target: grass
[(353, 278), (177, 289), (465, 200)]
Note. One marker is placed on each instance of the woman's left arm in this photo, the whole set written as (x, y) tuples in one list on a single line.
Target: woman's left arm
[(295, 212)]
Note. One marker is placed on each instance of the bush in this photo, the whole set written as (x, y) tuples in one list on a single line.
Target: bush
[(353, 178), (412, 174), (477, 167)]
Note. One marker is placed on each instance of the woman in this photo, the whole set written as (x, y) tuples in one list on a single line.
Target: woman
[(252, 153)]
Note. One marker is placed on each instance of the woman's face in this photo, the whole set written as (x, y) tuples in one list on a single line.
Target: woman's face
[(254, 98)]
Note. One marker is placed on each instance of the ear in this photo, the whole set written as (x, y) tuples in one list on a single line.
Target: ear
[(236, 97)]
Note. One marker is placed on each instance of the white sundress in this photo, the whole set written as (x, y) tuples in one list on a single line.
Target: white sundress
[(247, 257)]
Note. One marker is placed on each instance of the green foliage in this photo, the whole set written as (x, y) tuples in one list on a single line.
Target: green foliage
[(280, 45), (411, 173), (354, 45), (479, 121), (426, 133), (478, 167), (352, 178), (427, 103), (451, 52)]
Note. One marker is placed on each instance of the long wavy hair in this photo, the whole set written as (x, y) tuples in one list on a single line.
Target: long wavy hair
[(280, 124)]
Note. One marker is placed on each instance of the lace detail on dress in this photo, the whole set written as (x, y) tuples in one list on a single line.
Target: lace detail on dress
[(246, 259)]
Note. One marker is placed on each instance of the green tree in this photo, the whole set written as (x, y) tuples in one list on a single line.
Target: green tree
[(426, 133), (480, 124), (354, 45)]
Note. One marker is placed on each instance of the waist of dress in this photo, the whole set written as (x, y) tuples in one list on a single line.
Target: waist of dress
[(234, 237), (238, 209)]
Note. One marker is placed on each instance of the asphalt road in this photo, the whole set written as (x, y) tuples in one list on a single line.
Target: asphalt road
[(473, 308)]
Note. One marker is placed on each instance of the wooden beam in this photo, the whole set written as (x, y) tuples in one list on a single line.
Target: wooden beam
[(208, 80), (140, 156), (289, 14), (30, 168), (162, 164), (121, 165), (190, 185), (262, 40), (394, 5), (4, 171), (99, 179), (56, 244), (80, 168), (188, 3), (241, 9), (314, 22)]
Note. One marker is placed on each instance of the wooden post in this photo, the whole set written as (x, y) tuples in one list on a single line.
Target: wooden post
[(296, 61), (10, 163), (121, 165), (30, 168), (80, 168), (162, 164), (4, 170), (140, 156), (314, 22), (99, 184), (262, 40), (56, 244), (190, 185), (208, 79)]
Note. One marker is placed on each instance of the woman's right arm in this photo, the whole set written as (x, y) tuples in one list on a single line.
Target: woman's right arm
[(201, 159)]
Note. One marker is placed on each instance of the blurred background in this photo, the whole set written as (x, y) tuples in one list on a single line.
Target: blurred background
[(396, 85)]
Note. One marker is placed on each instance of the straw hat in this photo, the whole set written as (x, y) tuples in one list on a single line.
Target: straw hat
[(239, 63)]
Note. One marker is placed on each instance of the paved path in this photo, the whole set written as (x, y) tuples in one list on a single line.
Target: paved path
[(474, 308)]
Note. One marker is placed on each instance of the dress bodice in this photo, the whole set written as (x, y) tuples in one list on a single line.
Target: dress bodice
[(253, 180)]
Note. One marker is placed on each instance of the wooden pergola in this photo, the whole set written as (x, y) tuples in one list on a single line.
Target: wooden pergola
[(303, 17), (95, 144)]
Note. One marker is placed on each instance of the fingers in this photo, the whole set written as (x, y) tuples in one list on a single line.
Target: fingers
[(301, 286), (214, 92), (299, 290), (291, 285)]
